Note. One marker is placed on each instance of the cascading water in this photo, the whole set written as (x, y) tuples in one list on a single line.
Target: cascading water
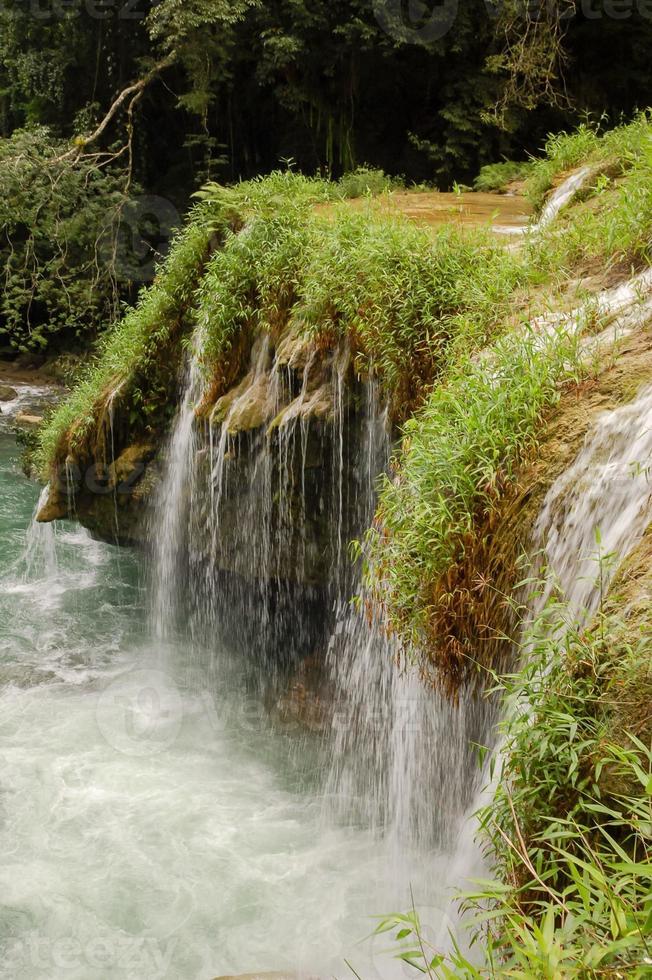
[(597, 511), (559, 198), (156, 821), (562, 196), (40, 546), (257, 521), (168, 530)]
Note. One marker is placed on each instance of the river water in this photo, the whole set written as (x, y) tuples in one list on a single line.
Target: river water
[(154, 822)]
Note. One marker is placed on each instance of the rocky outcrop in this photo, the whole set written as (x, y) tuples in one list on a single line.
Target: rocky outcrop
[(111, 501), (281, 424)]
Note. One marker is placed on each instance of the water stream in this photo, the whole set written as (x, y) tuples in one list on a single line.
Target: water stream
[(597, 511)]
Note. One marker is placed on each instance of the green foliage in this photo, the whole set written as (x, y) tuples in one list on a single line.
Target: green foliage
[(251, 282), (264, 195), (475, 427), (457, 452), (571, 824), (569, 830), (368, 181), (400, 294), (328, 84), (130, 355), (393, 290), (133, 354), (495, 177), (616, 223), (562, 152), (57, 223), (200, 33), (619, 147)]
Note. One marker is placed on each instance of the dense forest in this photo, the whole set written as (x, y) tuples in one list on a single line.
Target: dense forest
[(237, 87), (114, 113)]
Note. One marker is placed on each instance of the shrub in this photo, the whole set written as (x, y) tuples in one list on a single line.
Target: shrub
[(495, 177), (586, 145), (563, 151), (401, 295), (130, 354), (615, 223), (458, 451), (57, 222), (367, 181)]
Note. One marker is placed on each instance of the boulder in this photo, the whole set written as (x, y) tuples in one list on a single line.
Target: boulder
[(55, 508), (28, 420), (7, 393)]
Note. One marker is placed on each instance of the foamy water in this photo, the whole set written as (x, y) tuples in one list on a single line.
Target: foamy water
[(154, 822)]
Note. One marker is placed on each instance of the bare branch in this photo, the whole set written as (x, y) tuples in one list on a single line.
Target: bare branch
[(129, 95)]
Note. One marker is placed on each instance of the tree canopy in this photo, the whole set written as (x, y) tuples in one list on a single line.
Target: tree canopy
[(102, 100)]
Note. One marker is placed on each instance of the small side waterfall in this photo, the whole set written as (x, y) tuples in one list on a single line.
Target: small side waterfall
[(168, 532), (404, 760), (559, 198), (40, 554), (562, 196), (597, 511)]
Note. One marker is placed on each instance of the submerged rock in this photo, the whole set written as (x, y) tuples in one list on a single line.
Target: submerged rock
[(308, 701)]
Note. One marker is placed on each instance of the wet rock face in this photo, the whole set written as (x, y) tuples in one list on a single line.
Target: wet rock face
[(279, 501), (111, 501), (307, 701), (275, 485)]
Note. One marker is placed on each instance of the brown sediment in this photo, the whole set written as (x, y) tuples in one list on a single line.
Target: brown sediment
[(437, 208)]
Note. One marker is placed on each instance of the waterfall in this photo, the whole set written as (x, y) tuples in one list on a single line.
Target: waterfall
[(261, 495), (562, 196), (598, 509), (40, 554), (404, 761), (557, 201), (260, 499), (168, 529), (259, 502)]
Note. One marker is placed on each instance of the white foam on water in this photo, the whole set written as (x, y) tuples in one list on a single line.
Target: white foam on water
[(150, 804)]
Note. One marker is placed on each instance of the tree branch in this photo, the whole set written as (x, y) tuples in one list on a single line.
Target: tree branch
[(131, 94)]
